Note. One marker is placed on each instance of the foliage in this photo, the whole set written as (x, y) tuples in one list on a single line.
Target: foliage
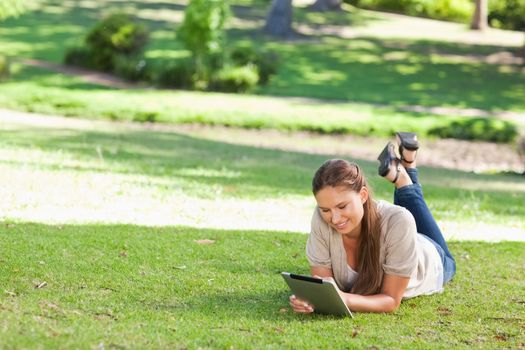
[(4, 67), (202, 32), (114, 45), (118, 33), (115, 35), (177, 74), (507, 14), (266, 61), (145, 117), (78, 56), (235, 79), (485, 129), (9, 8), (132, 68), (458, 10)]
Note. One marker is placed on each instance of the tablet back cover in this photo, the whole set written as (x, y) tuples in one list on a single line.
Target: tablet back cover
[(323, 296)]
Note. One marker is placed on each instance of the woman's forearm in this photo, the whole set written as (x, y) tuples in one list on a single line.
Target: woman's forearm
[(370, 303)]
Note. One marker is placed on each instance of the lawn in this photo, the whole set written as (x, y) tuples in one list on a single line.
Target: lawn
[(74, 275), (350, 76), (132, 172), (120, 235), (123, 286)]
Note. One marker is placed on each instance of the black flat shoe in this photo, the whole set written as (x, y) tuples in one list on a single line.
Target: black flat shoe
[(408, 141), (385, 158)]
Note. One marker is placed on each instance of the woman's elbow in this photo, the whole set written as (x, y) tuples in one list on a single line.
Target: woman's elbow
[(393, 305)]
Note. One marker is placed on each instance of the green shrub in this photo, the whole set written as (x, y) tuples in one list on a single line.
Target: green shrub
[(483, 129), (243, 54), (507, 14), (177, 74), (78, 56), (267, 64), (145, 117), (265, 61), (235, 79), (4, 67), (202, 32), (132, 68), (114, 35), (449, 9), (458, 10)]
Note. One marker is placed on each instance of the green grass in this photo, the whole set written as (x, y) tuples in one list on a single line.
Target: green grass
[(35, 90), (362, 70), (137, 287), (136, 164), (126, 286)]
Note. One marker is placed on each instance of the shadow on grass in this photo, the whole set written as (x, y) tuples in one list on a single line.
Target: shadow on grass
[(395, 73)]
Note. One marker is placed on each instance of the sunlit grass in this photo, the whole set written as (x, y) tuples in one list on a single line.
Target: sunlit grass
[(123, 286), (79, 171)]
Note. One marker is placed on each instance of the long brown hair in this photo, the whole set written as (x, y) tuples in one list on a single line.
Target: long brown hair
[(339, 172)]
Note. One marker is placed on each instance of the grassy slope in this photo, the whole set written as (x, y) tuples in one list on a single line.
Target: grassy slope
[(135, 287)]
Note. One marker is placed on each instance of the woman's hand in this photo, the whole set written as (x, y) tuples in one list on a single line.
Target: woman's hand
[(331, 279), (300, 306)]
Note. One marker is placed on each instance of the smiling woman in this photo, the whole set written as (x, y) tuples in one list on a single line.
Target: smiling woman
[(372, 249)]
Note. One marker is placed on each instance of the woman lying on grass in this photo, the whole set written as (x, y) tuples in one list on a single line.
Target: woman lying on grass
[(372, 249)]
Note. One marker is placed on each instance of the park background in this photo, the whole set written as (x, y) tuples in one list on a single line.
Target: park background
[(157, 157)]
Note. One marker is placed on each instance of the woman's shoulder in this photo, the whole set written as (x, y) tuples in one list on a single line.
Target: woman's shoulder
[(394, 217), (389, 211)]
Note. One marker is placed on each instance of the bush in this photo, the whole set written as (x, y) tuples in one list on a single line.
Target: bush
[(132, 68), (265, 61), (507, 14), (4, 67), (483, 129), (235, 79), (114, 35), (458, 10), (202, 32), (78, 56), (177, 74), (145, 117)]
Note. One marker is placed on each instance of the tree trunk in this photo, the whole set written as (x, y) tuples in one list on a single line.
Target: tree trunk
[(480, 17), (326, 5), (279, 20)]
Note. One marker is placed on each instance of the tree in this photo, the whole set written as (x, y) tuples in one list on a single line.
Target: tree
[(10, 8), (279, 20), (480, 17)]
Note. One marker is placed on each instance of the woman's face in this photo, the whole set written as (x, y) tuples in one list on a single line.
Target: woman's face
[(342, 208)]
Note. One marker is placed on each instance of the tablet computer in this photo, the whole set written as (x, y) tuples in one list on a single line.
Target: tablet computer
[(321, 294)]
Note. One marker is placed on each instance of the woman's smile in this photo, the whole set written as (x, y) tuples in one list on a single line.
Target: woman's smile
[(341, 225)]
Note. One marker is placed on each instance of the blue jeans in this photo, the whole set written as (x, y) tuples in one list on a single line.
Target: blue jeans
[(411, 198)]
